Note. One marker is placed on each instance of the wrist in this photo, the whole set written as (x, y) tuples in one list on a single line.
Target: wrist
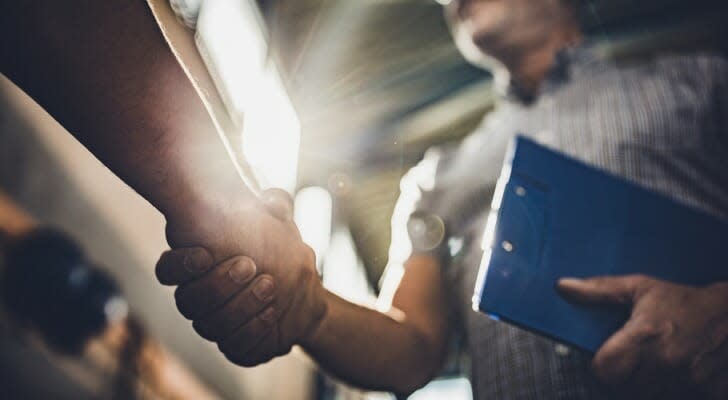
[(198, 216), (319, 326)]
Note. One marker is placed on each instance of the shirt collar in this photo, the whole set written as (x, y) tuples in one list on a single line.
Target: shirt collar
[(569, 63)]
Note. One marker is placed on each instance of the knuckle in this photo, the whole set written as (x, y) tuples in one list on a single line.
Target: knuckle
[(634, 279), (180, 300), (641, 282), (235, 319), (600, 367), (204, 330), (310, 256), (161, 276), (264, 359), (160, 269), (263, 324), (225, 348), (250, 361), (245, 310), (606, 372), (238, 358), (232, 357), (268, 315), (217, 294), (672, 356), (647, 328), (196, 259), (644, 327)]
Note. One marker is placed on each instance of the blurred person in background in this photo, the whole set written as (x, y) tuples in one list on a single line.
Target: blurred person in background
[(661, 123), (58, 303)]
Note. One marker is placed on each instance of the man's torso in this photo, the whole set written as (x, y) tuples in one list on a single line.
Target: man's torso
[(660, 124)]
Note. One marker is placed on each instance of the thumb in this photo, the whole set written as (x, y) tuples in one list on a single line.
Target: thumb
[(616, 290), (279, 203)]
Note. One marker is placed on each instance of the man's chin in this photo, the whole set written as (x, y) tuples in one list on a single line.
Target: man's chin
[(472, 50), (475, 39)]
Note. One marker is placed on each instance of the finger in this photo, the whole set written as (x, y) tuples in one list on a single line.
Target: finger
[(620, 355), (237, 347), (619, 290), (182, 265), (648, 381), (279, 203), (244, 306), (198, 298), (267, 349)]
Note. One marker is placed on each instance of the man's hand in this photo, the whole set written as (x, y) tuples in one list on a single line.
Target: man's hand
[(676, 340), (112, 80), (246, 279)]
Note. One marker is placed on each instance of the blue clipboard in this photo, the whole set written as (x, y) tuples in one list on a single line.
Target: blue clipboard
[(555, 217)]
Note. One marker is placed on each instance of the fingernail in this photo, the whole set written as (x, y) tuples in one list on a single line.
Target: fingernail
[(268, 314), (570, 282), (197, 259), (263, 289), (242, 270)]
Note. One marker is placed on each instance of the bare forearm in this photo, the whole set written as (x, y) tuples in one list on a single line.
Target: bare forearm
[(372, 350), (104, 71)]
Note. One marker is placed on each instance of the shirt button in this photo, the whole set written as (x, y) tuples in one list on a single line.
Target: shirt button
[(546, 136), (561, 350)]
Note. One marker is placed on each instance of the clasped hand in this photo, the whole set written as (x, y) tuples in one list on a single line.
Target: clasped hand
[(245, 278)]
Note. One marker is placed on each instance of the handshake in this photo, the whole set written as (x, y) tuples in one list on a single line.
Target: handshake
[(245, 278)]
